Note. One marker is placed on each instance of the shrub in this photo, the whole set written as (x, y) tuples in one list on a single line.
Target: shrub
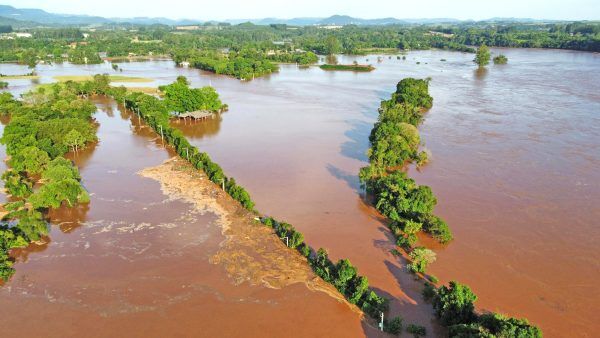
[(394, 326), (416, 330)]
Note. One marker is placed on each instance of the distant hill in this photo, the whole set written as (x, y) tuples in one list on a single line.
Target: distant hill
[(29, 17), (43, 17), (342, 20), (17, 24)]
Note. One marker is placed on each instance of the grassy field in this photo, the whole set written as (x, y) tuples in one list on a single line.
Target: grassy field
[(113, 78), (19, 77), (354, 68)]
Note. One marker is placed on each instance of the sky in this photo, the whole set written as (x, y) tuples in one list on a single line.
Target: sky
[(252, 9)]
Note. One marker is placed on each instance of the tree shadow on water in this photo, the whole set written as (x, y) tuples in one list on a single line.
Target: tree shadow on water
[(350, 178), (358, 144)]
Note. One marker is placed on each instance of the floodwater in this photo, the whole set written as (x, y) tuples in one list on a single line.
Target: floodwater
[(515, 167), (135, 262)]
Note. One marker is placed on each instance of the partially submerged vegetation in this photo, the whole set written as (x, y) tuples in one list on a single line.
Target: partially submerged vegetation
[(352, 67), (482, 57), (500, 60), (180, 98), (454, 306), (301, 58), (394, 143), (44, 126)]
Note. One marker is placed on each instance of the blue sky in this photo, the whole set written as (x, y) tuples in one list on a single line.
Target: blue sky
[(236, 9)]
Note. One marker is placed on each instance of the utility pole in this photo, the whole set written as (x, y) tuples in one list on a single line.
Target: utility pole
[(187, 154), (381, 323), (161, 133), (223, 184)]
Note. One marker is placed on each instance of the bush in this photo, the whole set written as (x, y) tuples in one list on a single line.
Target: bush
[(394, 326), (416, 330), (500, 60)]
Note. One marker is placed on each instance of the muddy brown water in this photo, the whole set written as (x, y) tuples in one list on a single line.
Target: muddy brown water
[(135, 262), (515, 167)]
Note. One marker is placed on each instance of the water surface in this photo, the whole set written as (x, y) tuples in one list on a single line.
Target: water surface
[(515, 167)]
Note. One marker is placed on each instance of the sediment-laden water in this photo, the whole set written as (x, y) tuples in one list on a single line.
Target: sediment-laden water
[(515, 167)]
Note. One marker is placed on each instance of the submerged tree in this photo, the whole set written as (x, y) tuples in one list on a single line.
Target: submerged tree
[(482, 58)]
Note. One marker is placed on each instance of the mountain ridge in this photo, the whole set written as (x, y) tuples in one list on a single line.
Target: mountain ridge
[(40, 17)]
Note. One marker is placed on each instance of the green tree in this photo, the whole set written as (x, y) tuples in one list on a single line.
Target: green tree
[(482, 58), (454, 304), (332, 45), (421, 257), (74, 139)]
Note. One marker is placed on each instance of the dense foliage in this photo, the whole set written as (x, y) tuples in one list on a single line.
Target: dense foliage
[(245, 64), (454, 305)]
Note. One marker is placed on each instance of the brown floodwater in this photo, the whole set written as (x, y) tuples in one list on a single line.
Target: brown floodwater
[(137, 262), (515, 167)]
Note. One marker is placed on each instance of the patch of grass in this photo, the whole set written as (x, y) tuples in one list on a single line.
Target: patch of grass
[(354, 68), (113, 78)]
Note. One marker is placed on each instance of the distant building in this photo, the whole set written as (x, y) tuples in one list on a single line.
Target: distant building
[(330, 27), (440, 34), (187, 28), (23, 35)]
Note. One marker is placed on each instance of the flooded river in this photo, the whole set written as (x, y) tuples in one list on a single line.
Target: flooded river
[(515, 167)]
